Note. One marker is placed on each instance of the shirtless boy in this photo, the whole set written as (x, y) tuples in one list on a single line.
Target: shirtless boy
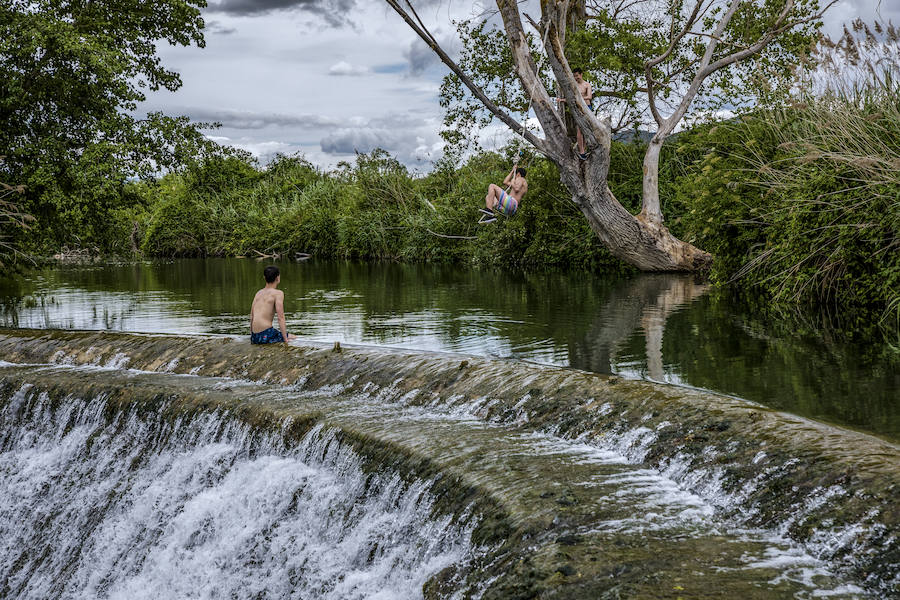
[(268, 302), (507, 203), (587, 94)]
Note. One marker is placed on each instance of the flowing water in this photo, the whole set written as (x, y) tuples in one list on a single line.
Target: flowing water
[(661, 328), (123, 484), (196, 466), (140, 507)]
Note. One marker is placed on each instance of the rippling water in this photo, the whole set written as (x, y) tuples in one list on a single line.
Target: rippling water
[(664, 328), (107, 491)]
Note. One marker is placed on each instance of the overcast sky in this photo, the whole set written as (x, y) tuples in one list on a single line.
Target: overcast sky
[(327, 77)]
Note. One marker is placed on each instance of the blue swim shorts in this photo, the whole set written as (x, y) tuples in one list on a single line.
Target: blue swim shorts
[(267, 336)]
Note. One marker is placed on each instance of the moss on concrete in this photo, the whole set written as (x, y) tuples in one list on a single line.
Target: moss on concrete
[(774, 468)]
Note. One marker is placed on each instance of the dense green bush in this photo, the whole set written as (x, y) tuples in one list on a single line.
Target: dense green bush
[(372, 209), (802, 204)]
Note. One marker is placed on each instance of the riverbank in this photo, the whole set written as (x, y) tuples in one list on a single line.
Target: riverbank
[(831, 490), (795, 217)]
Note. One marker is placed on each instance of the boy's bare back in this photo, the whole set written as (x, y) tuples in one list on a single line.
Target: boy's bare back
[(268, 303), (263, 309)]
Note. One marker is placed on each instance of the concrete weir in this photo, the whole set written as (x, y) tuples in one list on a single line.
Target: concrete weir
[(531, 481)]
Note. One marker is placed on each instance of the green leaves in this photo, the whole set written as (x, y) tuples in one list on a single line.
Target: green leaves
[(803, 203), (615, 42), (70, 75)]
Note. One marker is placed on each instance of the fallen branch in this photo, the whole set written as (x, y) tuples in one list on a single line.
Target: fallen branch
[(452, 237)]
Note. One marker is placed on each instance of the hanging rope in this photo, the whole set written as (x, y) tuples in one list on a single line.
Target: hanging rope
[(522, 140), (452, 237), (521, 132)]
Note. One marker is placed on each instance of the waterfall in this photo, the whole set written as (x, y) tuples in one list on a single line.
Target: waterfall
[(101, 503), (180, 467)]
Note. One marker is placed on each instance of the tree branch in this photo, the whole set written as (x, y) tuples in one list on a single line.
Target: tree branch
[(595, 134), (673, 42), (761, 43), (498, 112), (666, 126), (527, 71)]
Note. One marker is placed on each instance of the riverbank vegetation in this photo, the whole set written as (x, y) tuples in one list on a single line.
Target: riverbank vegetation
[(799, 204), (71, 77), (798, 199)]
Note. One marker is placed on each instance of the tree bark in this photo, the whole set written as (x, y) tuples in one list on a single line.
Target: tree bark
[(647, 245), (650, 209), (638, 240), (642, 241)]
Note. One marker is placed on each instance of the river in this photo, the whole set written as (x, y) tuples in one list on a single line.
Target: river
[(657, 327)]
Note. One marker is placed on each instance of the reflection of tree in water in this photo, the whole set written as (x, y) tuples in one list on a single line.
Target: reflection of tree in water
[(644, 303), (589, 322), (720, 345)]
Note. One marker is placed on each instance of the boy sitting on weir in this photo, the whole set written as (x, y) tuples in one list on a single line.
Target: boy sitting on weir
[(268, 302)]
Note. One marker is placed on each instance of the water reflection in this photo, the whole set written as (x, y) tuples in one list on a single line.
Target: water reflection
[(642, 304), (665, 328)]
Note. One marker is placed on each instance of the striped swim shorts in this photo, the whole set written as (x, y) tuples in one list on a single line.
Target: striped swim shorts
[(507, 204)]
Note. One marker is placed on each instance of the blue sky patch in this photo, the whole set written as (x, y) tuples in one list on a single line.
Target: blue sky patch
[(390, 68)]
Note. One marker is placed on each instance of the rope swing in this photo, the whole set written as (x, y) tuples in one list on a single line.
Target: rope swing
[(522, 140), (521, 133)]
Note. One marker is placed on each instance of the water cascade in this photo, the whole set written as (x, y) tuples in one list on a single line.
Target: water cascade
[(140, 465)]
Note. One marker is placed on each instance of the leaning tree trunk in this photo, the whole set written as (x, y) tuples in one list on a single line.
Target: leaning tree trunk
[(644, 243), (640, 241)]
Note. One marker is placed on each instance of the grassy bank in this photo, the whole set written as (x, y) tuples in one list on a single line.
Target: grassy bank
[(373, 209), (800, 207), (802, 204)]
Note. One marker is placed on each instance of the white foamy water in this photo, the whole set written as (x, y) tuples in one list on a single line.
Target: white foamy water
[(205, 509), (150, 507), (674, 499)]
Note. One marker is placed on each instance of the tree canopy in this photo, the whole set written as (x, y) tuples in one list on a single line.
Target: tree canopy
[(649, 61), (72, 73), (641, 57)]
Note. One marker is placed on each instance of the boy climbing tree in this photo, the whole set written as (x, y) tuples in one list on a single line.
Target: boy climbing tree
[(587, 94)]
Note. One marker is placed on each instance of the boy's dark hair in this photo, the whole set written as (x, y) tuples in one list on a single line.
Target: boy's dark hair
[(271, 273), (577, 70), (520, 171)]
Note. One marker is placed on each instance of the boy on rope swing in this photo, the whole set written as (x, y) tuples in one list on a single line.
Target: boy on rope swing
[(505, 201)]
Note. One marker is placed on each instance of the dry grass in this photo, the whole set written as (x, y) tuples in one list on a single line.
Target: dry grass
[(837, 174)]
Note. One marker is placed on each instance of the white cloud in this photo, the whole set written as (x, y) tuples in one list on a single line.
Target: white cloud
[(272, 79), (364, 139), (846, 11), (343, 68), (264, 151), (246, 119), (412, 139), (421, 57)]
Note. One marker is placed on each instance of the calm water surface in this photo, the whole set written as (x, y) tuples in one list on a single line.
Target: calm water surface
[(663, 328)]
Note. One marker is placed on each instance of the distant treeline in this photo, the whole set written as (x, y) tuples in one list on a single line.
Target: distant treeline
[(799, 206)]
